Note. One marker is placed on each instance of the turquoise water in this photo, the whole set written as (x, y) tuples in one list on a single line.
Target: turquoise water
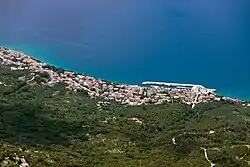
[(188, 41)]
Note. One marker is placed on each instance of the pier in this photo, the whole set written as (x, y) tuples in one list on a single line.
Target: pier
[(171, 84)]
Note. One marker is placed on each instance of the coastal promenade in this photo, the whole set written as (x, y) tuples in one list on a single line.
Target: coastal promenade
[(148, 93)]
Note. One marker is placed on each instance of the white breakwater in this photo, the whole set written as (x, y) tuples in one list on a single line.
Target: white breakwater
[(179, 85), (170, 84)]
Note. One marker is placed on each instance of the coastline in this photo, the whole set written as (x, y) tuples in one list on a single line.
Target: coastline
[(135, 94), (39, 52), (52, 63)]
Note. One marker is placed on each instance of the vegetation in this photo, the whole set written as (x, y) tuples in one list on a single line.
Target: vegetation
[(57, 127)]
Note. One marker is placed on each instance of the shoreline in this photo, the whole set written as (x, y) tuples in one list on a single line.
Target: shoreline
[(219, 92), (124, 93), (56, 65)]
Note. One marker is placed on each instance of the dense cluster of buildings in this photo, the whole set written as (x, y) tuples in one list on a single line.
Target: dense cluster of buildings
[(127, 94)]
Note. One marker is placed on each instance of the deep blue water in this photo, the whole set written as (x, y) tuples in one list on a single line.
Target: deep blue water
[(130, 41)]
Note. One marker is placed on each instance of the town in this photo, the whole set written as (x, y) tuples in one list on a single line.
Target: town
[(147, 93)]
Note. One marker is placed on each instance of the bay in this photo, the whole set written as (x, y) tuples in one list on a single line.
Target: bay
[(187, 41)]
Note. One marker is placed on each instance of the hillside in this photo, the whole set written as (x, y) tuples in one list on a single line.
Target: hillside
[(53, 126)]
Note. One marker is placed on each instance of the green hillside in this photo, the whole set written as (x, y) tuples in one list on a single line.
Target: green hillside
[(56, 127)]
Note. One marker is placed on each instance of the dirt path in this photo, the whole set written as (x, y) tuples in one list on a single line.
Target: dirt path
[(216, 149), (31, 79), (2, 84), (206, 156), (205, 150)]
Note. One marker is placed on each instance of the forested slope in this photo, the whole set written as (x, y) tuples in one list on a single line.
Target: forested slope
[(57, 127)]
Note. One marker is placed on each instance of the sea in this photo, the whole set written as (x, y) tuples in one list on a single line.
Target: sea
[(203, 42)]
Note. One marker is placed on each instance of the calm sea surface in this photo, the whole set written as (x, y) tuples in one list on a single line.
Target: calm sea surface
[(189, 41)]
